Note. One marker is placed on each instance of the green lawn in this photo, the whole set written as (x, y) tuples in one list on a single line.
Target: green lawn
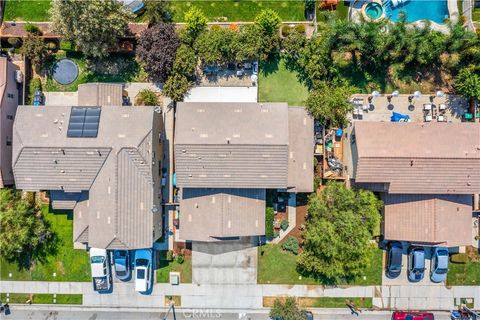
[(464, 274), (27, 10), (67, 263), (278, 84), (22, 298), (165, 267), (116, 68), (328, 302), (239, 10), (279, 267)]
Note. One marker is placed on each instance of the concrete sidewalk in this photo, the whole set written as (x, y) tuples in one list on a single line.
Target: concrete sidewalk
[(250, 296)]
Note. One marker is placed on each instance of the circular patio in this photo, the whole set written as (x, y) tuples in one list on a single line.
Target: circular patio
[(65, 71)]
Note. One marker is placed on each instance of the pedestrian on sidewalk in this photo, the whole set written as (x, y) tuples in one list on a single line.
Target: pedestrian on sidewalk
[(353, 308)]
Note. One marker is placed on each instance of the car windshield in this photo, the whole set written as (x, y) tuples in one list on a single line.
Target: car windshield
[(395, 267), (442, 252), (97, 259), (441, 271), (141, 274), (141, 262)]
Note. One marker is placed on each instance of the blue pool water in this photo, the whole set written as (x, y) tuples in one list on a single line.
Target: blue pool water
[(434, 10)]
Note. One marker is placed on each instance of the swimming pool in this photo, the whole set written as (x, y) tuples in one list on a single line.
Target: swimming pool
[(433, 10)]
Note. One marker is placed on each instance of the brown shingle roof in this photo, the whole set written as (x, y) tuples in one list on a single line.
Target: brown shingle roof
[(419, 158), (433, 219)]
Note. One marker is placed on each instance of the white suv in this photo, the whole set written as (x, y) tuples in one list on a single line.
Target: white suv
[(100, 265)]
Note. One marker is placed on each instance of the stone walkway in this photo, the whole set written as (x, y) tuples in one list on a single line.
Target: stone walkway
[(250, 296)]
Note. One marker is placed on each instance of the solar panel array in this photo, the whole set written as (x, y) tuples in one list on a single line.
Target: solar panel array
[(84, 122)]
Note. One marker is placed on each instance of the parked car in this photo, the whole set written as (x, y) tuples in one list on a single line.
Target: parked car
[(37, 98), (412, 315), (101, 276), (416, 264), (439, 265), (143, 270), (121, 261), (308, 315), (394, 260)]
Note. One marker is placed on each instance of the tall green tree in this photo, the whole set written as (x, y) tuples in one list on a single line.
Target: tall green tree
[(340, 223), (286, 310), (195, 23), (248, 43), (185, 61), (176, 87), (34, 48), (268, 20), (23, 230), (157, 11), (467, 84), (94, 25), (328, 102), (215, 46)]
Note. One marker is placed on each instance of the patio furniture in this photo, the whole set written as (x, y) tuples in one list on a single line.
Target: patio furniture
[(365, 107), (441, 118), (442, 107), (240, 73), (427, 107), (428, 117)]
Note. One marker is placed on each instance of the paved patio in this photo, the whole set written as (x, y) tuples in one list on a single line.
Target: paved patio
[(222, 94), (381, 108)]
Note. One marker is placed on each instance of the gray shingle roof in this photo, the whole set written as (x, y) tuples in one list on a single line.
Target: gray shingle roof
[(117, 169), (207, 214)]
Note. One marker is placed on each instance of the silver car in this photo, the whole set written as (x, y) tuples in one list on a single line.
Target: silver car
[(439, 267), (416, 264)]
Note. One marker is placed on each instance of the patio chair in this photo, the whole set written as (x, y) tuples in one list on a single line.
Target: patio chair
[(441, 118), (428, 118), (365, 107), (442, 107), (427, 107)]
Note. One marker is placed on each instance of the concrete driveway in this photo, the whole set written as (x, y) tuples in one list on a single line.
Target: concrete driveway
[(402, 279), (225, 262)]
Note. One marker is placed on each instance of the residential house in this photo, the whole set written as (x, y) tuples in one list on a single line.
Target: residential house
[(102, 162), (228, 154), (8, 109), (426, 173)]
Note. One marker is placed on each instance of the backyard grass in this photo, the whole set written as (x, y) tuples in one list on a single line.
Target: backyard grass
[(67, 263), (27, 10), (324, 302), (277, 266), (278, 84), (243, 10), (467, 273), (165, 267), (116, 68), (22, 298)]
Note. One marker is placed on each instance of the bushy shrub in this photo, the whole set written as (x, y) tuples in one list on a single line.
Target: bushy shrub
[(179, 259), (460, 258), (291, 244), (269, 217), (300, 28), (169, 256), (284, 225), (66, 45), (14, 42), (36, 84), (52, 46), (286, 30), (33, 29), (147, 98)]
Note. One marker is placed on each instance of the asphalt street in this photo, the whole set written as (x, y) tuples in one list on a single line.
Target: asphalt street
[(206, 314)]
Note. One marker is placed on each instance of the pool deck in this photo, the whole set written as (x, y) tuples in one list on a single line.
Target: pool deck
[(355, 14)]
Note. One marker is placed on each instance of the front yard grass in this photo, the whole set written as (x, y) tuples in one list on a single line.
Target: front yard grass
[(476, 15), (22, 298), (165, 267), (324, 302), (276, 266), (465, 274), (27, 10), (67, 263), (278, 84), (116, 68)]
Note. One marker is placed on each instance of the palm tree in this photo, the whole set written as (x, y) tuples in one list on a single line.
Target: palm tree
[(467, 83)]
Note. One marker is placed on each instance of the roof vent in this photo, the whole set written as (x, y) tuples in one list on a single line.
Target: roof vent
[(228, 140), (55, 121)]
